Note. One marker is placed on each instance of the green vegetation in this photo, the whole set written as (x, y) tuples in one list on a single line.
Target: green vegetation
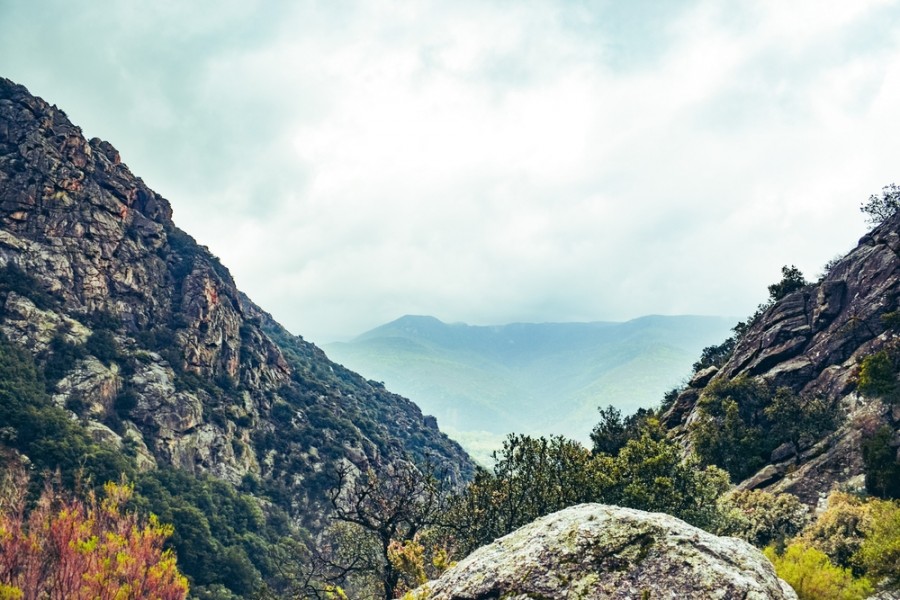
[(533, 477), (882, 466), (762, 518), (14, 279), (814, 577), (791, 281), (34, 426), (742, 421), (854, 543), (223, 539)]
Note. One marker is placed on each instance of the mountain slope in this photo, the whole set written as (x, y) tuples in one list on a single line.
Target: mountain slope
[(815, 342), (145, 338), (530, 377)]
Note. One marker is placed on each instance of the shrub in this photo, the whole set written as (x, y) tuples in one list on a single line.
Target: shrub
[(839, 530), (68, 548), (791, 281), (814, 577), (879, 553), (878, 375), (762, 518)]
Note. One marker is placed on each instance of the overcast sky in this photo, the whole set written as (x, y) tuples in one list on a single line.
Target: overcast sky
[(487, 161)]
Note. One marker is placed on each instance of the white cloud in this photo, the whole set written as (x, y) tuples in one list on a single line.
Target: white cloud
[(489, 162)]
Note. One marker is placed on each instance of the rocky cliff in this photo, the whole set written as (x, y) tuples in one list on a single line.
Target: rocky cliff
[(813, 341), (145, 338), (599, 552)]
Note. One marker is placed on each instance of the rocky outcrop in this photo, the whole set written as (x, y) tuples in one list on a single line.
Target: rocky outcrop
[(167, 357), (812, 342), (594, 552)]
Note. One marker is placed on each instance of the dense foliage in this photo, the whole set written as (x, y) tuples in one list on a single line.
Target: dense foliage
[(741, 421), (851, 545), (533, 477), (814, 577), (93, 549)]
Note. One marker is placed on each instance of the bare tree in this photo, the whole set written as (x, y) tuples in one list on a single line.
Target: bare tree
[(395, 506)]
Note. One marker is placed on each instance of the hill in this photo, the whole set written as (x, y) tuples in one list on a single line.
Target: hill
[(530, 377), (126, 348)]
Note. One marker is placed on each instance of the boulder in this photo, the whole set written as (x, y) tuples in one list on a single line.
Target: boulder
[(595, 551)]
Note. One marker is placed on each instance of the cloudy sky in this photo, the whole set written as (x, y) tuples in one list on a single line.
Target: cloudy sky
[(487, 161)]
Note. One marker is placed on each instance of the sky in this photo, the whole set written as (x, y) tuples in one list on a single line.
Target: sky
[(487, 161)]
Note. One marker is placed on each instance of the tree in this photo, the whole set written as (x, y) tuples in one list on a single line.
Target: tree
[(612, 432), (381, 511), (881, 464), (879, 553), (878, 209), (532, 477), (92, 549), (731, 430), (791, 281)]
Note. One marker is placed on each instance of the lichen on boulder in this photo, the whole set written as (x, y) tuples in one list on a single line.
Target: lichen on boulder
[(595, 551)]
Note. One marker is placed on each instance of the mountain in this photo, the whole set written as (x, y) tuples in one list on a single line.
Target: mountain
[(121, 332), (530, 377), (835, 343)]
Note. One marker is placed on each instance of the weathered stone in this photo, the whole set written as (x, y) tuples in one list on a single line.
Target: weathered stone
[(702, 377), (594, 552), (766, 476), (783, 452)]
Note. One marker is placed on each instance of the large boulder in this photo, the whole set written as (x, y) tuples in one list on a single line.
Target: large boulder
[(595, 551)]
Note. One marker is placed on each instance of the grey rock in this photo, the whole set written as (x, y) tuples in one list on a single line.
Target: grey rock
[(594, 552), (783, 452)]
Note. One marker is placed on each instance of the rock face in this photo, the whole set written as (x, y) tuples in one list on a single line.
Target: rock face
[(812, 342), (169, 355), (594, 552)]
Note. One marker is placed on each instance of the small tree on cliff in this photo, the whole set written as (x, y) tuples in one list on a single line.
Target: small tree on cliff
[(878, 209), (791, 280)]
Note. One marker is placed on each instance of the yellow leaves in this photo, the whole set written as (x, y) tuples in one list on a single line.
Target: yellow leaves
[(814, 577), (87, 550), (8, 592)]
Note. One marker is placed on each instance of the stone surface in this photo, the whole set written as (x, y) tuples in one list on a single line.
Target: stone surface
[(594, 552)]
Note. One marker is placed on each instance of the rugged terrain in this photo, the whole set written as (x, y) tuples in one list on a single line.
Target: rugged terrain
[(813, 342), (146, 340)]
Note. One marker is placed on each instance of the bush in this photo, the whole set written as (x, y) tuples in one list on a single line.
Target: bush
[(879, 553), (731, 431), (103, 346), (814, 577), (878, 375), (791, 281), (762, 518), (839, 530), (68, 548)]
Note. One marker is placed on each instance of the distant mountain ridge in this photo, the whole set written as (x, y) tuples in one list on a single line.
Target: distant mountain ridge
[(530, 377)]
